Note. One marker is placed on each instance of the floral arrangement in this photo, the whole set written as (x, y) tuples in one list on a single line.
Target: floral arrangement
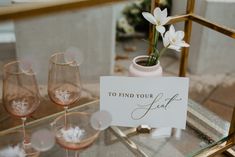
[(131, 22), (171, 39)]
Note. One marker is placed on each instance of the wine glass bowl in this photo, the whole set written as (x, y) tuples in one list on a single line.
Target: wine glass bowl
[(20, 91), (77, 134), (64, 80)]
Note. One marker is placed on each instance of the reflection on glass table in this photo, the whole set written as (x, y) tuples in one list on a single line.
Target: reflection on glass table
[(120, 141)]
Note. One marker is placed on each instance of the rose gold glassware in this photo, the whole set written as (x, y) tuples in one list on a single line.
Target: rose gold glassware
[(78, 134), (64, 86), (20, 93), (64, 89)]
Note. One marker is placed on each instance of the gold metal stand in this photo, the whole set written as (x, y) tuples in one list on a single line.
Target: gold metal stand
[(189, 17)]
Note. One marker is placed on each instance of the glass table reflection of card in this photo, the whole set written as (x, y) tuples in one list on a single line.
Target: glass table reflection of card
[(157, 102)]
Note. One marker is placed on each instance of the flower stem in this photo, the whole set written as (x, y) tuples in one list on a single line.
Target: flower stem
[(162, 51), (153, 58), (156, 36)]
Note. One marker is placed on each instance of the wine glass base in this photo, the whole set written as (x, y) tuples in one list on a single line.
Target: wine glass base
[(77, 134), (69, 153), (27, 146), (29, 150)]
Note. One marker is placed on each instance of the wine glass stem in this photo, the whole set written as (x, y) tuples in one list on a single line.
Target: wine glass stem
[(65, 115), (23, 126), (67, 152), (76, 154)]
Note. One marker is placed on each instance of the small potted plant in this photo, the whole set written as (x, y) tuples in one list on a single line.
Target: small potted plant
[(145, 66)]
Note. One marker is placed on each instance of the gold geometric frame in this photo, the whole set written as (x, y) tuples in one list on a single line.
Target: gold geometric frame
[(189, 17), (29, 10)]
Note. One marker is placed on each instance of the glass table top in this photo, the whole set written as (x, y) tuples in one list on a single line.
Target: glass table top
[(120, 141)]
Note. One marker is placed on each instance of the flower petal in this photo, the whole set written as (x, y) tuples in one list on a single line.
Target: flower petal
[(178, 50), (165, 20), (166, 40), (174, 47), (180, 35), (182, 44), (160, 29), (157, 13), (172, 30), (172, 34), (164, 13), (149, 17)]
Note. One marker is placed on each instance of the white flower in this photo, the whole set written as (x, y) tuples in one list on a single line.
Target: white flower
[(14, 151), (138, 2), (122, 22), (129, 30), (134, 11), (163, 2), (125, 26), (159, 18), (174, 39)]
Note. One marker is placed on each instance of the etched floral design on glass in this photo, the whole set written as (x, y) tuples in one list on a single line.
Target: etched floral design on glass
[(62, 95), (20, 107)]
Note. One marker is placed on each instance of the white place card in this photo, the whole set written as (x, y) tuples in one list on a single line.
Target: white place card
[(157, 102)]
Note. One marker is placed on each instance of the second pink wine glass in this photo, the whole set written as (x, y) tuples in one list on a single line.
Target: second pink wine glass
[(64, 85)]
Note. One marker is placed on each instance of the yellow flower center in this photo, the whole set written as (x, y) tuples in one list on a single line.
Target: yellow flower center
[(158, 23)]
